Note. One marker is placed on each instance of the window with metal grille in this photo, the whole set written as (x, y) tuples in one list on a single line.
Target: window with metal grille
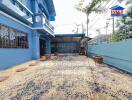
[(12, 38)]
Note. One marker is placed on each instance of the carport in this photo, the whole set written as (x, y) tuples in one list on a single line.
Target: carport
[(66, 43)]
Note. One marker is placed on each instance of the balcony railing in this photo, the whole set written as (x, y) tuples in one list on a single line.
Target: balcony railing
[(17, 7), (41, 21), (48, 23)]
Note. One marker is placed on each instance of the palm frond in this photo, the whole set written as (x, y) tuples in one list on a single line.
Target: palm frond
[(98, 10), (93, 6), (79, 6)]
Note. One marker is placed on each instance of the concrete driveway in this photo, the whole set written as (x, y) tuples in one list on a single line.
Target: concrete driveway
[(66, 77)]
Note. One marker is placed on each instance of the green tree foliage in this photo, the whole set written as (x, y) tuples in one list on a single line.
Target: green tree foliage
[(125, 21), (93, 6), (116, 38), (124, 25)]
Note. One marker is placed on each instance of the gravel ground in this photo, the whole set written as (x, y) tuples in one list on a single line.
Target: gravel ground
[(66, 77)]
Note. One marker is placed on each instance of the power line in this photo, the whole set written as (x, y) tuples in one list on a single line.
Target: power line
[(101, 27), (102, 15), (103, 6)]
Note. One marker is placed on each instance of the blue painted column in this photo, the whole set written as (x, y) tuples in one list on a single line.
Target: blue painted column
[(36, 50), (48, 46), (34, 10)]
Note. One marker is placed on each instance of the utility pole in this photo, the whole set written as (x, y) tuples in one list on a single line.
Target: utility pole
[(82, 28), (77, 30), (87, 23), (77, 25), (113, 25), (107, 31), (99, 34), (87, 34)]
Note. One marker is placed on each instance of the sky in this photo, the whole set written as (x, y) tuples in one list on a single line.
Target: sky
[(67, 18)]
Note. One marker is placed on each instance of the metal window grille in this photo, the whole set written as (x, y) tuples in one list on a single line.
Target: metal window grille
[(12, 38)]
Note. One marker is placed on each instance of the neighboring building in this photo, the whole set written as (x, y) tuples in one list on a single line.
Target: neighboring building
[(25, 30)]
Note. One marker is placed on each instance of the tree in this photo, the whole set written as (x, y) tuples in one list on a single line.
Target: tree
[(124, 24), (129, 2), (93, 6)]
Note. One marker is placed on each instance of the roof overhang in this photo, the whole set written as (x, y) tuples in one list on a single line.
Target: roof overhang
[(51, 9), (70, 35)]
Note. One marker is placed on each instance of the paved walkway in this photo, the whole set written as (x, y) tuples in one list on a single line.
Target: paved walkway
[(66, 77)]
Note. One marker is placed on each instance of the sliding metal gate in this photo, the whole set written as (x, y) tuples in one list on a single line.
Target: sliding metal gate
[(65, 47)]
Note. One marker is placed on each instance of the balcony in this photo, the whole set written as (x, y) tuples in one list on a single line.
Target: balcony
[(49, 25), (43, 23), (16, 9)]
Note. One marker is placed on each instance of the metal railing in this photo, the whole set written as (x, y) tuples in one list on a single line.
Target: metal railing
[(48, 23), (22, 6), (41, 18), (17, 7)]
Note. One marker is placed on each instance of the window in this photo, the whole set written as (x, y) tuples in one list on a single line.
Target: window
[(12, 38)]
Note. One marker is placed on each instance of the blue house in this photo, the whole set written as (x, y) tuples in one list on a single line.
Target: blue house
[(25, 30)]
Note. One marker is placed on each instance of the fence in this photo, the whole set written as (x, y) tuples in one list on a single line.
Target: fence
[(117, 54), (122, 34), (115, 48)]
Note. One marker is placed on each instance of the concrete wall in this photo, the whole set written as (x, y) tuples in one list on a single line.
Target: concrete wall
[(11, 56), (117, 54)]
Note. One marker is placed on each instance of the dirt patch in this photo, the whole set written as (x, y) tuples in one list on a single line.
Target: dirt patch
[(3, 78), (67, 77)]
